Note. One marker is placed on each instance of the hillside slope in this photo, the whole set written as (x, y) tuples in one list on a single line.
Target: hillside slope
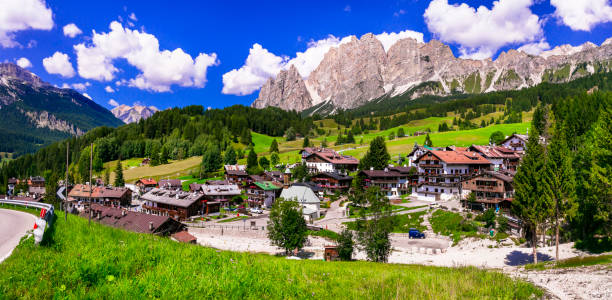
[(34, 114), (102, 262)]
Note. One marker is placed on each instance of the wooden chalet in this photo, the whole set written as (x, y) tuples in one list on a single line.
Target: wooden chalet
[(176, 204), (332, 182), (492, 189)]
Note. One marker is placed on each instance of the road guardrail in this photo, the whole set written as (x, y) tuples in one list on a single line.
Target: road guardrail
[(45, 217)]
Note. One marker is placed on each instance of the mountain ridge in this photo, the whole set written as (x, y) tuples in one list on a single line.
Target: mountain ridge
[(133, 114), (34, 113), (359, 71)]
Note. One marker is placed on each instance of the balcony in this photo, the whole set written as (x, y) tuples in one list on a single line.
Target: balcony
[(430, 165)]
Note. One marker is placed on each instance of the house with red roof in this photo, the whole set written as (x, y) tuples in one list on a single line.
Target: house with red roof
[(146, 184), (319, 160), (441, 173)]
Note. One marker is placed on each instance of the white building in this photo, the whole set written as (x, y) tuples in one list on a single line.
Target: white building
[(307, 199), (319, 160), (441, 173)]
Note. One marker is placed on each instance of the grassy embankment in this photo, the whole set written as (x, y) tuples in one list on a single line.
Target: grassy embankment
[(574, 262), (103, 262)]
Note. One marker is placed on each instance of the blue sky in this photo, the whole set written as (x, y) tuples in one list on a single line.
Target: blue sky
[(207, 39)]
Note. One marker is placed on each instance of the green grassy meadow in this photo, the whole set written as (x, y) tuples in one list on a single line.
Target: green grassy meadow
[(99, 262)]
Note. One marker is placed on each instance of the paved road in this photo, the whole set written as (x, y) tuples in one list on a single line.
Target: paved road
[(13, 225)]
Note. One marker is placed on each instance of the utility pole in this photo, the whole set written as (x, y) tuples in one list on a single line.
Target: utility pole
[(90, 185), (66, 184)]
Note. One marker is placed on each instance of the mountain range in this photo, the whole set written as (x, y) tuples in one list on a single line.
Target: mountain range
[(34, 113), (133, 114), (360, 71)]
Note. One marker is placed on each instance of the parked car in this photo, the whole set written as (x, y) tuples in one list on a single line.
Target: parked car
[(256, 211), (434, 205), (414, 233)]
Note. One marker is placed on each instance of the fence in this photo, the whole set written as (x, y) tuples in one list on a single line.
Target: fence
[(245, 227), (42, 221)]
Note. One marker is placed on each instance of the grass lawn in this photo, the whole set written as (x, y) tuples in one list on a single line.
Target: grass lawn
[(453, 225), (401, 223), (234, 219), (99, 262), (174, 169), (188, 179)]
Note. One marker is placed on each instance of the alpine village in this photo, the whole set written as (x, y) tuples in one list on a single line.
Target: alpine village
[(392, 170)]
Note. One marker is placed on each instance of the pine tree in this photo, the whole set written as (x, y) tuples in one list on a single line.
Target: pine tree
[(274, 159), (230, 156), (600, 179), (163, 158), (274, 146), (306, 142), (529, 203), (264, 163), (252, 160), (119, 181), (377, 156), (107, 176), (350, 139), (559, 181), (428, 141), (324, 143)]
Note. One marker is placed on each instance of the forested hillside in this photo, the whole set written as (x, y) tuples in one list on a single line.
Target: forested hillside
[(192, 131)]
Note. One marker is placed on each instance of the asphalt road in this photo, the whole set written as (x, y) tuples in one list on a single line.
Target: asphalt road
[(13, 225)]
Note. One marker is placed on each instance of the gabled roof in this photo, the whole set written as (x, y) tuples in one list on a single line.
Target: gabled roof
[(267, 185), (234, 167), (184, 236), (221, 190), (494, 151), (334, 176), (523, 137), (457, 157), (301, 194), (382, 173), (169, 183), (336, 158), (82, 191), (147, 181), (132, 221), (174, 198)]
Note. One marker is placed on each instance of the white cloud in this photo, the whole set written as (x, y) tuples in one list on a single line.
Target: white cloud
[(133, 17), (481, 32), (60, 64), (582, 14), (87, 96), (535, 48), (388, 39), (24, 63), (262, 64), (399, 13), (71, 30), (109, 89), (77, 86), (22, 15), (159, 69), (347, 8), (113, 103)]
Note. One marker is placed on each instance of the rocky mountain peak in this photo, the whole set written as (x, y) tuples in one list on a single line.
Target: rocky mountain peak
[(286, 91), (360, 70), (13, 71), (132, 114)]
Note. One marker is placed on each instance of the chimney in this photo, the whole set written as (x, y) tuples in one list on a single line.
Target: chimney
[(151, 226)]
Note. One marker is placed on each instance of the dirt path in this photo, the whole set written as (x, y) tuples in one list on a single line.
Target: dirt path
[(592, 282)]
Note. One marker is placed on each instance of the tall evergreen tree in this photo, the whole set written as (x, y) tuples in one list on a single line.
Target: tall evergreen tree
[(163, 158), (252, 160), (324, 143), (107, 176), (529, 203), (306, 142), (119, 181), (230, 156), (274, 159), (211, 160), (377, 156), (428, 141), (274, 146), (600, 180), (559, 180)]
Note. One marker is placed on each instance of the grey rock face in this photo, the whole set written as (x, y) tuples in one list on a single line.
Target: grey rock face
[(356, 72), (133, 114), (286, 91)]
